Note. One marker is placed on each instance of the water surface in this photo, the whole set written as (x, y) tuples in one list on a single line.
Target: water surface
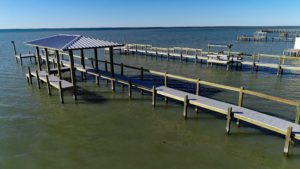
[(107, 130)]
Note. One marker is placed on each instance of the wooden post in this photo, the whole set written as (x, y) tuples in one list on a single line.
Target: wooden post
[(92, 62), (168, 56), (146, 51), (61, 93), (142, 73), (241, 97), (186, 54), (73, 76), (30, 77), (47, 60), (38, 79), (130, 89), (112, 69), (297, 120), (48, 85), (82, 62), (122, 69), (105, 66), (166, 84), (153, 96), (196, 56), (228, 123), (197, 92), (21, 60), (96, 60), (185, 106), (14, 46), (288, 140), (58, 64), (181, 55), (38, 58)]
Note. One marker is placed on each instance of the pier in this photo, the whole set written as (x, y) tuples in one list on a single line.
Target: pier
[(226, 58), (56, 55)]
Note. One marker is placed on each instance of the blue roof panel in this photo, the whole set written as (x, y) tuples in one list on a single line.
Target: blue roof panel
[(55, 42)]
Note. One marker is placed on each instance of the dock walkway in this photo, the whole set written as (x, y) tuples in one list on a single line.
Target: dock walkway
[(286, 128)]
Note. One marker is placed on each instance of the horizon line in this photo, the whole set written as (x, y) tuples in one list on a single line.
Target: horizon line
[(142, 27)]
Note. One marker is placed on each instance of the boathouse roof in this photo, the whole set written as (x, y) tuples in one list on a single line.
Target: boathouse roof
[(71, 42)]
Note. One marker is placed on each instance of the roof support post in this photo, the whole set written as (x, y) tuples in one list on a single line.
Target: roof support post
[(47, 60), (112, 69), (96, 60), (82, 58), (58, 64), (73, 77), (38, 58), (111, 59)]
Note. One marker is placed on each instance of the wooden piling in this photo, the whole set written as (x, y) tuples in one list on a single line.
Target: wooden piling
[(181, 55), (142, 73), (166, 84), (73, 77), (197, 92), (297, 120), (112, 69), (48, 85), (47, 60), (38, 58), (185, 107), (14, 46), (228, 122), (96, 60), (58, 64), (130, 89), (29, 75), (153, 96), (61, 93), (288, 140), (38, 79), (241, 96)]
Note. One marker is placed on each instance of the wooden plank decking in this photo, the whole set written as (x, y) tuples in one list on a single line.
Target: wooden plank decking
[(271, 123)]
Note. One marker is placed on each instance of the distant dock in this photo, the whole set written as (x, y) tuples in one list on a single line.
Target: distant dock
[(227, 58)]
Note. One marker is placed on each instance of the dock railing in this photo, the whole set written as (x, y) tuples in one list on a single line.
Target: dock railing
[(240, 90)]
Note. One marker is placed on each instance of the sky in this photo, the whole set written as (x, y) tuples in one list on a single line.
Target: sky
[(147, 13)]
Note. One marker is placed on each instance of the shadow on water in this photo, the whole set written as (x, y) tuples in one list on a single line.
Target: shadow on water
[(89, 96)]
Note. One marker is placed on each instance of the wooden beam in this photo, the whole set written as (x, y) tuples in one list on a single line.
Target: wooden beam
[(73, 76)]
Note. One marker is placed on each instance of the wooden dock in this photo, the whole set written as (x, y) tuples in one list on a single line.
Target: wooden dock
[(237, 59), (232, 112), (20, 57)]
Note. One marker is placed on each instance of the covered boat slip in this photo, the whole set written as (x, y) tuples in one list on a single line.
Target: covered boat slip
[(66, 43)]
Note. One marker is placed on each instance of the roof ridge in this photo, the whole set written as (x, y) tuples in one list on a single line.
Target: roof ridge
[(71, 42)]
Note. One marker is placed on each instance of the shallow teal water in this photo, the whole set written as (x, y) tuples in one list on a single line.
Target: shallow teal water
[(107, 130)]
